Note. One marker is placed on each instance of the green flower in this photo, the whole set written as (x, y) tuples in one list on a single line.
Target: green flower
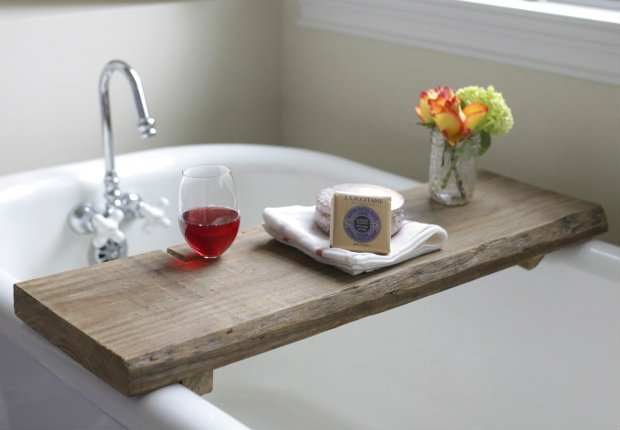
[(498, 119)]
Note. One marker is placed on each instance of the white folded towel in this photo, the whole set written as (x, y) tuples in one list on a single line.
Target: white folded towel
[(295, 226)]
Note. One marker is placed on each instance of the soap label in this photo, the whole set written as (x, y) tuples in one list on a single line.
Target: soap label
[(361, 223)]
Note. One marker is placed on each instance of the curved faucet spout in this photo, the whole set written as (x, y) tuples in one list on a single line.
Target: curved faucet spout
[(146, 124), (109, 242)]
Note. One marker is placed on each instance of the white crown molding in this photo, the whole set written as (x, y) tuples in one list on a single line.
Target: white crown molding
[(568, 40)]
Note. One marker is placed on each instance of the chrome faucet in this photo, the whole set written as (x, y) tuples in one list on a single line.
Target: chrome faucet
[(109, 242), (146, 129)]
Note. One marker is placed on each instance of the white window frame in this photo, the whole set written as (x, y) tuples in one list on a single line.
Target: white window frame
[(606, 4), (571, 40)]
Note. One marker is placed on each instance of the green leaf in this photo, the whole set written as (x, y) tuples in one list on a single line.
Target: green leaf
[(485, 142), (426, 124)]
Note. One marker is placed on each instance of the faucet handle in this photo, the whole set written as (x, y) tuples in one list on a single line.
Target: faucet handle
[(154, 215), (107, 228)]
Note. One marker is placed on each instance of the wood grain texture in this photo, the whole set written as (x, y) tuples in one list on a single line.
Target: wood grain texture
[(145, 321)]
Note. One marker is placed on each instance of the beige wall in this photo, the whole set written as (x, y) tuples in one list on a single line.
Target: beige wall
[(354, 97), (243, 71), (210, 70)]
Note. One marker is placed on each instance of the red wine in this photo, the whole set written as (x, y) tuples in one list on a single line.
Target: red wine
[(210, 230)]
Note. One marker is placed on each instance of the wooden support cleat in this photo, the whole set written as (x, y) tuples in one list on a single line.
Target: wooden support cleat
[(530, 263), (200, 384)]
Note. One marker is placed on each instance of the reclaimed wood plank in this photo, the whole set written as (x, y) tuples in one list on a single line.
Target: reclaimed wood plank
[(145, 321)]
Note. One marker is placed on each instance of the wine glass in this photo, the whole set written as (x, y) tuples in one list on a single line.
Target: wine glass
[(208, 213)]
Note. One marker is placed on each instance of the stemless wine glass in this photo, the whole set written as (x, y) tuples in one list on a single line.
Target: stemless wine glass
[(208, 213)]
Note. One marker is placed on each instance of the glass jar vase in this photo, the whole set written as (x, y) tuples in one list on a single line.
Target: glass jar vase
[(452, 171)]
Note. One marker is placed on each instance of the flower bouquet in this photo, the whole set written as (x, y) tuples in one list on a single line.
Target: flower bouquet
[(462, 124)]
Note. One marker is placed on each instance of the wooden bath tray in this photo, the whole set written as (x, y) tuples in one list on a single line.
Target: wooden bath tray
[(145, 321)]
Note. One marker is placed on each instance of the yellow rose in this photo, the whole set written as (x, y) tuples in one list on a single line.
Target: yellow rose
[(432, 94)]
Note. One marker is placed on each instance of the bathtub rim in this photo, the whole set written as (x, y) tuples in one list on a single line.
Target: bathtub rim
[(156, 406), (160, 408), (92, 169)]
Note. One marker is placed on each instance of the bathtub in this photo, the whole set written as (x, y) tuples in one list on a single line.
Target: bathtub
[(516, 349)]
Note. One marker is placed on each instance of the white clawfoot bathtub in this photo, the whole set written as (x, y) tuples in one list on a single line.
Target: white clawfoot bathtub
[(517, 349)]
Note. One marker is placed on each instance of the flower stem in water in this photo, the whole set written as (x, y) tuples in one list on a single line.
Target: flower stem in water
[(452, 170)]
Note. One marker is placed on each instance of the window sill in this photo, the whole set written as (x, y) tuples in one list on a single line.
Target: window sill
[(564, 39)]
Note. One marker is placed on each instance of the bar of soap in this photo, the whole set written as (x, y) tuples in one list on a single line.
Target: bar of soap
[(323, 210), (360, 222)]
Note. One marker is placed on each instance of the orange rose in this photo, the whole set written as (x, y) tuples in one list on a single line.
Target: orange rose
[(426, 96)]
